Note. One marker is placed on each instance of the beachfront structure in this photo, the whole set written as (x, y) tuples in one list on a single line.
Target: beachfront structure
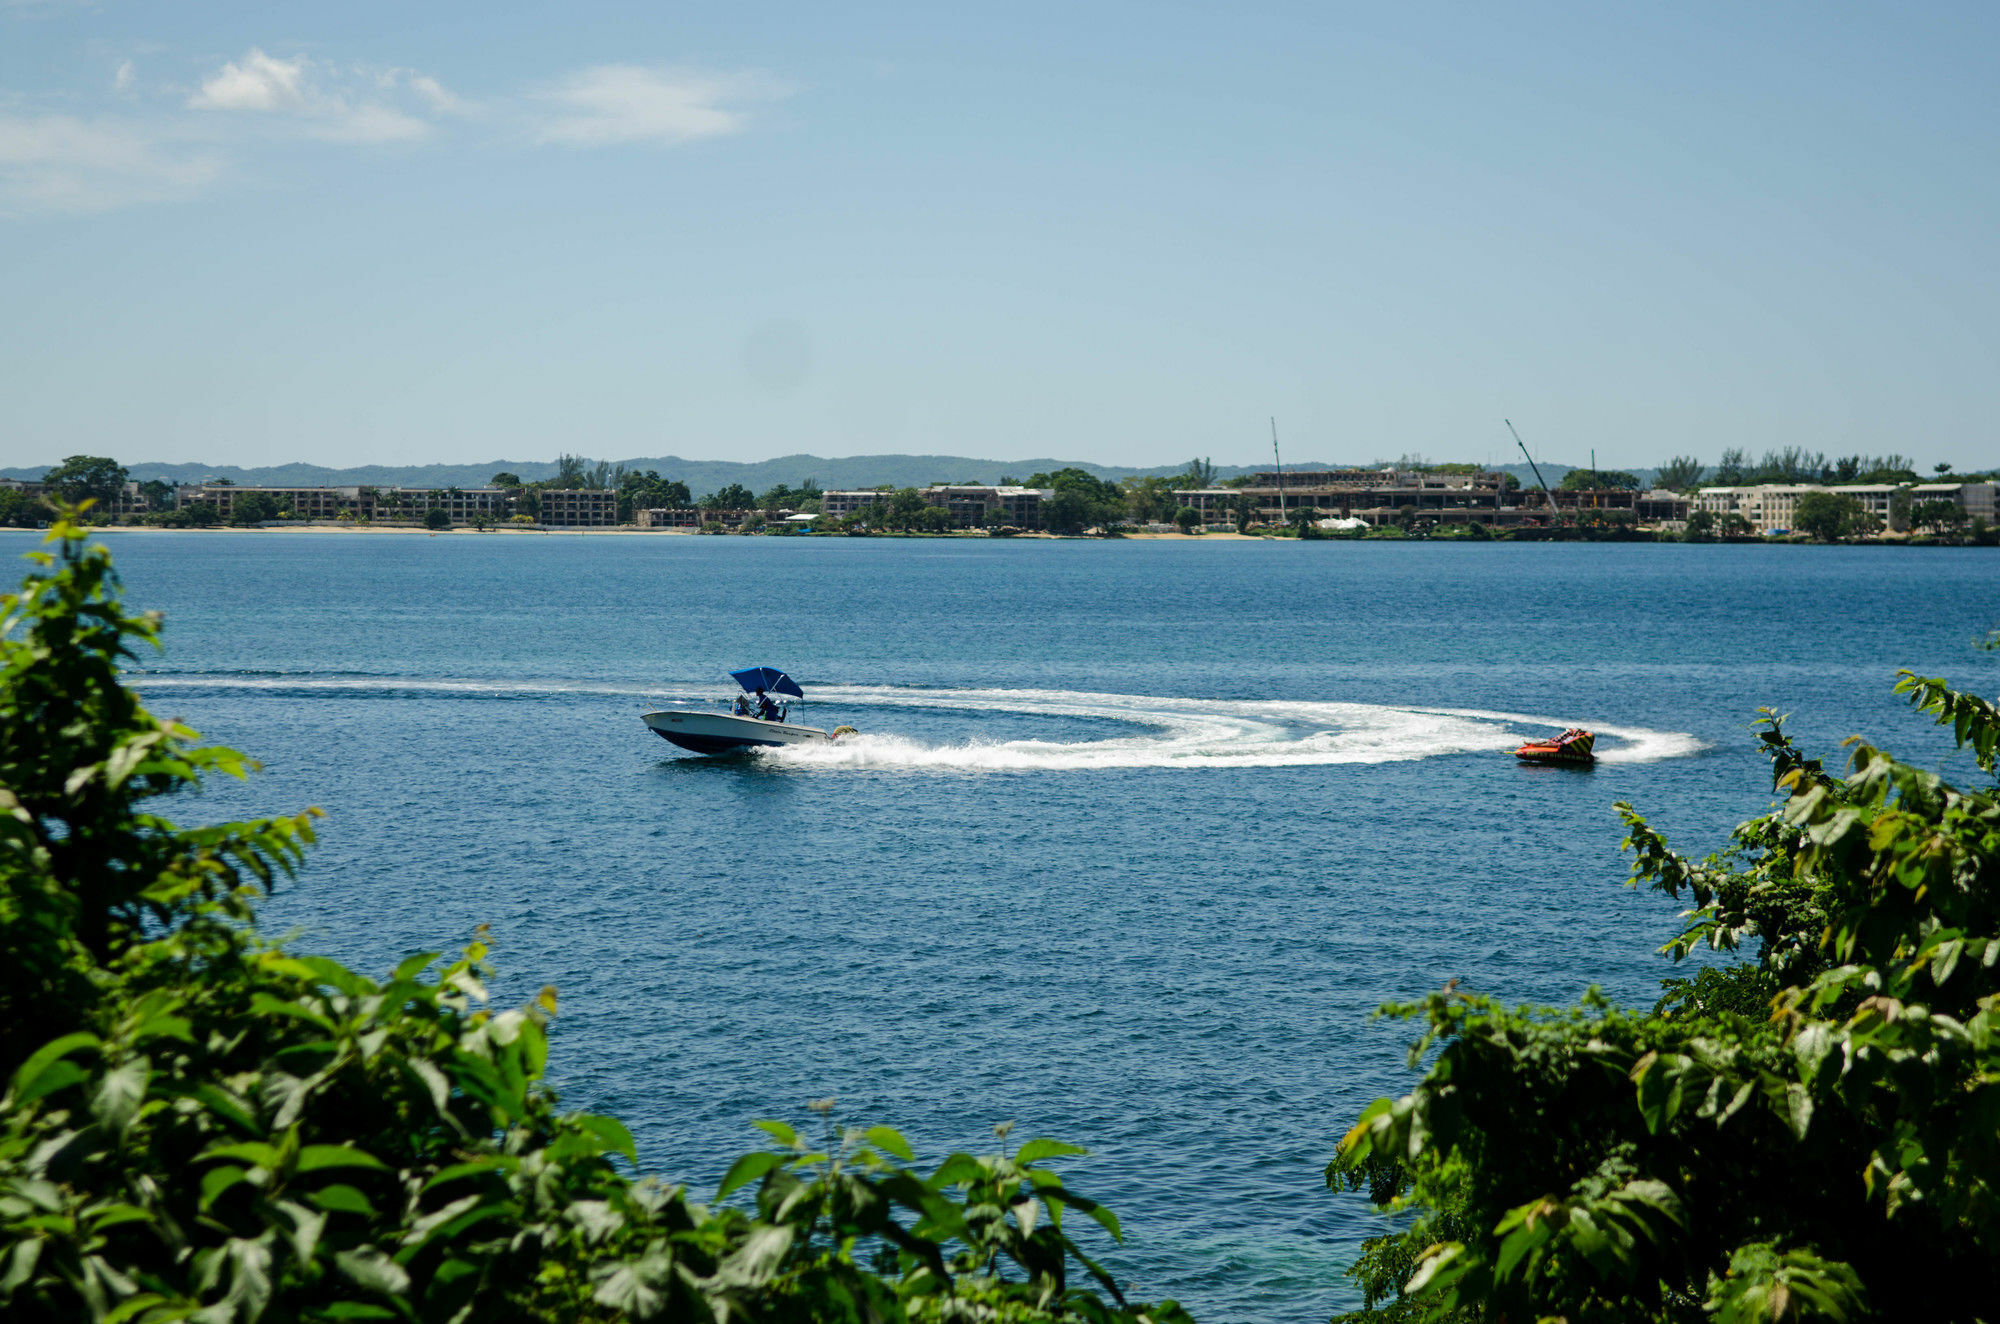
[(1377, 495), (1771, 507), (1380, 496), (460, 504), (970, 505), (300, 502), (1975, 499), (577, 508), (688, 517), (974, 507)]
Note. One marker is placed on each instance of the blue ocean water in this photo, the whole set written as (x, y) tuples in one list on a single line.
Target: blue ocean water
[(1138, 836)]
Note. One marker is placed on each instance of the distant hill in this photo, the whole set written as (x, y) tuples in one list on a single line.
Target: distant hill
[(701, 476), (705, 476)]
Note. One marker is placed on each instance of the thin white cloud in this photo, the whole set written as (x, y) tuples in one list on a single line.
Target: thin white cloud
[(258, 83), (624, 103), (355, 105), (150, 152), (61, 163), (434, 95)]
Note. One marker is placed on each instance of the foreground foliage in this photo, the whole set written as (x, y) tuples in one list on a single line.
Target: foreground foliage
[(201, 1124), (1812, 1135)]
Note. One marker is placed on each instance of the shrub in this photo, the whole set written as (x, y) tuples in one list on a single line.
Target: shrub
[(201, 1123), (1813, 1134), (435, 518)]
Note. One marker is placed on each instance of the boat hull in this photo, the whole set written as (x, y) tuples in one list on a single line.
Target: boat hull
[(715, 733), (1573, 748), (1531, 755)]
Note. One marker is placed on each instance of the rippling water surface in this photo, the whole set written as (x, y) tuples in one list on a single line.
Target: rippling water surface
[(1136, 838)]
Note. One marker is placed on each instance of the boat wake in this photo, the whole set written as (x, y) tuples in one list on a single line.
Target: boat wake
[(1152, 732), (1202, 733)]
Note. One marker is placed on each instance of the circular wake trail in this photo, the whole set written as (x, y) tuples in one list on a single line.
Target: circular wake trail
[(1203, 733), (1159, 732)]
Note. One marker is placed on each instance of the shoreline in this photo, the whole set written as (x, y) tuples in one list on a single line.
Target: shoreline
[(630, 532)]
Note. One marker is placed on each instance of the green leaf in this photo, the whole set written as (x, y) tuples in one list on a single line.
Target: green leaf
[(340, 1199), (458, 1171), (21, 1261), (1036, 1150), (217, 1180), (596, 1219), (956, 1170), (371, 1270), (131, 1307), (27, 1084), (354, 1310), (412, 966), (314, 1157), (113, 1215), (120, 1093), (890, 1141), (55, 1076), (250, 1151), (1798, 1109), (779, 1132), (1103, 1217), (613, 1134), (749, 1168)]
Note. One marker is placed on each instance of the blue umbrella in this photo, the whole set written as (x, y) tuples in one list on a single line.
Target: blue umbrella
[(768, 678)]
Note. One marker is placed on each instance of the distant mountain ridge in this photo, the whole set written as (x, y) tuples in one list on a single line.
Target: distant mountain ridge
[(705, 476)]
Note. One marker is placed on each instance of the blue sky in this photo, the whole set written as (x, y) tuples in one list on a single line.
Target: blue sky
[(374, 233)]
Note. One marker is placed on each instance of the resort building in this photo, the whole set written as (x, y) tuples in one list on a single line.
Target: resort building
[(690, 517), (306, 503), (578, 507), (970, 505), (1661, 506), (976, 507), (840, 505), (1771, 507), (1377, 495), (460, 504), (1975, 499)]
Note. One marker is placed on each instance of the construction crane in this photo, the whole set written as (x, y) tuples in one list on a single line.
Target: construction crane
[(1281, 471), (1532, 465)]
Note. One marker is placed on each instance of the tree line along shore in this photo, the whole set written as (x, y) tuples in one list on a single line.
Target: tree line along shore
[(1788, 497)]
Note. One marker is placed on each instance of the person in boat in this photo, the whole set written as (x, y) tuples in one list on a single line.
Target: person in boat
[(766, 710), (739, 707)]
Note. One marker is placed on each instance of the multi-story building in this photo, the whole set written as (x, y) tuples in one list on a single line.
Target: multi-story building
[(460, 504), (840, 505), (579, 507), (690, 517), (1772, 507), (970, 505), (1350, 492), (309, 503), (1661, 506), (1975, 499), (973, 507)]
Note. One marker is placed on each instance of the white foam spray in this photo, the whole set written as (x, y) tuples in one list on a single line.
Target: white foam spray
[(1203, 733), (1159, 732)]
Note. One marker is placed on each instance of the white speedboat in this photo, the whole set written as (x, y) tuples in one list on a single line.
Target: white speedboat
[(742, 728)]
